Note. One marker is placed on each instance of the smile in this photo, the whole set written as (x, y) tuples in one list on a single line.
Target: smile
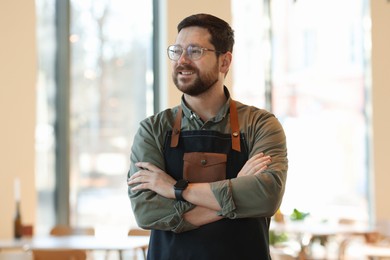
[(186, 72)]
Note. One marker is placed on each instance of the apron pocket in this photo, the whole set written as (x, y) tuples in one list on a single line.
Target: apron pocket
[(204, 167)]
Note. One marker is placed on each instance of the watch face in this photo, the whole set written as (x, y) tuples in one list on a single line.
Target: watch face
[(181, 184)]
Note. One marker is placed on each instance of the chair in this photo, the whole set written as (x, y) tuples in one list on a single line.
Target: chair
[(63, 230), (140, 232), (59, 254)]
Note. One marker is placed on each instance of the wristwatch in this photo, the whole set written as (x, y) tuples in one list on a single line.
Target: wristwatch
[(179, 187)]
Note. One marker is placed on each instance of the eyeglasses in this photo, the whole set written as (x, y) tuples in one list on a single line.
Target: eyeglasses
[(193, 52)]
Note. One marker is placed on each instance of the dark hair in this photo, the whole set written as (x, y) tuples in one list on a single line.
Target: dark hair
[(222, 35)]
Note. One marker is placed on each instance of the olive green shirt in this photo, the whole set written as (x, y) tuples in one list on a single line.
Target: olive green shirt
[(245, 197)]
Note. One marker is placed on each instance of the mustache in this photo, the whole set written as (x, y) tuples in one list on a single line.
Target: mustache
[(185, 67)]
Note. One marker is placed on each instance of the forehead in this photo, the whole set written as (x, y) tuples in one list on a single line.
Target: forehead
[(193, 36)]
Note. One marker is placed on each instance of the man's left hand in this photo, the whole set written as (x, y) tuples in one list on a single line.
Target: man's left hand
[(152, 178)]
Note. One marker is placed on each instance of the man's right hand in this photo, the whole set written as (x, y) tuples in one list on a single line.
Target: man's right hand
[(255, 165)]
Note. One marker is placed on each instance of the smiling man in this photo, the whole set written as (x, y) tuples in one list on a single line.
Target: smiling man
[(207, 175)]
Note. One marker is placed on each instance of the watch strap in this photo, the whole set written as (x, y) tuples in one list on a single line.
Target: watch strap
[(179, 194)]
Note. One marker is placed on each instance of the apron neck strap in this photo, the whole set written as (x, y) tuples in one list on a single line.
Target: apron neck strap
[(176, 128), (234, 125)]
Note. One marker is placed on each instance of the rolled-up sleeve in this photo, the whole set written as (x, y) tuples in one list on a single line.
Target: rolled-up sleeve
[(151, 210), (257, 195)]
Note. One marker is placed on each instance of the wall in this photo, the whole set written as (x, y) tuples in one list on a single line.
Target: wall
[(380, 16), (176, 11), (17, 110)]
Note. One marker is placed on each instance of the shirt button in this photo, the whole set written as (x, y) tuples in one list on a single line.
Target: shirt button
[(203, 161)]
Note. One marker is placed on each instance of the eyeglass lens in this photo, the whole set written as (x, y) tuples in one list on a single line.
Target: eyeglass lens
[(193, 52)]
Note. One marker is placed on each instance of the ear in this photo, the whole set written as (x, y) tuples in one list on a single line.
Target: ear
[(226, 60)]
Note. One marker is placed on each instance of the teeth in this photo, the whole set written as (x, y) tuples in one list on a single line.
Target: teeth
[(186, 72)]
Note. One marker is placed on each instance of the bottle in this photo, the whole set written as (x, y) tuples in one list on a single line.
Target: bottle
[(18, 222)]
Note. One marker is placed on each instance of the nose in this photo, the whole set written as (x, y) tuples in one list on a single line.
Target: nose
[(184, 59)]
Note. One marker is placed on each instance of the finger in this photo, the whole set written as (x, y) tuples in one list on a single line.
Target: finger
[(255, 157), (141, 186), (262, 159), (266, 159), (131, 181), (143, 170), (137, 179), (136, 175), (256, 162), (141, 165), (261, 162), (263, 166), (147, 166)]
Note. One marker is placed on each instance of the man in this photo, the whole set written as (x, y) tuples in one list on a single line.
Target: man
[(207, 176)]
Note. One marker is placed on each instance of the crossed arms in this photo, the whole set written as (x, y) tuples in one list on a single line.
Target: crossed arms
[(256, 192)]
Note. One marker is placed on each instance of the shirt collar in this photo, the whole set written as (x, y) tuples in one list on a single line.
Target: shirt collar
[(221, 114)]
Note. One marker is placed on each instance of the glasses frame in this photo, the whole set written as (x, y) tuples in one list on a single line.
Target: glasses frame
[(186, 50)]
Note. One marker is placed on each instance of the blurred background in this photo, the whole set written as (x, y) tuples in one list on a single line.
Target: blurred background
[(78, 77)]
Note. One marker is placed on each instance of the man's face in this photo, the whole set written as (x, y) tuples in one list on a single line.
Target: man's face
[(195, 77)]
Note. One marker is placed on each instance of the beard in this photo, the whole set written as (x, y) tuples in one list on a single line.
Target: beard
[(200, 85)]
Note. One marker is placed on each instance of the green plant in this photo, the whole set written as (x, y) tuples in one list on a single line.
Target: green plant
[(298, 215), (277, 237)]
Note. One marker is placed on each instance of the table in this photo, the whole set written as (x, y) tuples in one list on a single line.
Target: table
[(376, 251), (307, 232), (319, 229), (88, 243), (12, 244)]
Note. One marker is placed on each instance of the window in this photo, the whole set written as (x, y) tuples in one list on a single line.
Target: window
[(45, 135), (111, 90), (317, 69), (251, 52)]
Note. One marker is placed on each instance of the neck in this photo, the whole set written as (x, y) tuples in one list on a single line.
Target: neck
[(207, 105)]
